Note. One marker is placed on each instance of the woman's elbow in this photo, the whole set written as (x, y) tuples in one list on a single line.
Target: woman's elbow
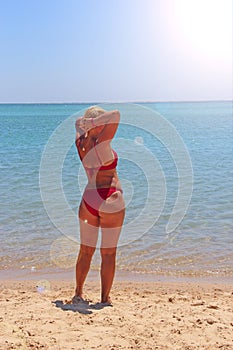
[(116, 116)]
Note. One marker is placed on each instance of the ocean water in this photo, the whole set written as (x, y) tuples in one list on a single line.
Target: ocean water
[(175, 164)]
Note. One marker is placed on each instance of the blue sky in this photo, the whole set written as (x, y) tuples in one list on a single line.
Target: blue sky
[(115, 50)]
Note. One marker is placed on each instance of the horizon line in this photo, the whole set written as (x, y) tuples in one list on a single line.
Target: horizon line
[(118, 102)]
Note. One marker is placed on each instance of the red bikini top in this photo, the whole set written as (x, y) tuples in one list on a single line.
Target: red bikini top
[(110, 166)]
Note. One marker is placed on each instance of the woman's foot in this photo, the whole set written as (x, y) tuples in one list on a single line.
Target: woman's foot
[(106, 302), (101, 305), (77, 300)]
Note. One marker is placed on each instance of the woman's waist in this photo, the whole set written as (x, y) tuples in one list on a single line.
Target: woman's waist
[(93, 187), (104, 182)]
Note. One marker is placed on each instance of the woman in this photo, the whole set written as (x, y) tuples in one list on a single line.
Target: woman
[(102, 204)]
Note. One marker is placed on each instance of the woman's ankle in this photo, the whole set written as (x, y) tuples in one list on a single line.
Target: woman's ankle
[(78, 293), (105, 299)]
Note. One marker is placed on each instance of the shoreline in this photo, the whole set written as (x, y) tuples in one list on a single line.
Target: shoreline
[(120, 276)]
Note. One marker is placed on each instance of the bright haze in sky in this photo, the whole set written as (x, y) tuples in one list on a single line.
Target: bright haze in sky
[(115, 50)]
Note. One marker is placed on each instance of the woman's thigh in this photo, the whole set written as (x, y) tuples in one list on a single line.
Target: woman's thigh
[(89, 226), (112, 215), (111, 225)]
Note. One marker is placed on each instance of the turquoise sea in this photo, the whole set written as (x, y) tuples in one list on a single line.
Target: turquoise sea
[(165, 150)]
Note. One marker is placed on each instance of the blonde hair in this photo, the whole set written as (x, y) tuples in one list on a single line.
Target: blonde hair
[(94, 112)]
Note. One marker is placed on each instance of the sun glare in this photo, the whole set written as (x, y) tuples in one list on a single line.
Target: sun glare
[(205, 25)]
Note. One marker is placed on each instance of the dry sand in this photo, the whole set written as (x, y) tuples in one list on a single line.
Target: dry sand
[(152, 315)]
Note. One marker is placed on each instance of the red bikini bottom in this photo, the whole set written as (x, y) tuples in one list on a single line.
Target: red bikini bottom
[(94, 197)]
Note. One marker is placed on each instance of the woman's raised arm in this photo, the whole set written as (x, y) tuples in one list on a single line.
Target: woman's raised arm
[(109, 122)]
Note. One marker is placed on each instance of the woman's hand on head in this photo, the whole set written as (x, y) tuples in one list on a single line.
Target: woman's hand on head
[(81, 125), (78, 124), (79, 129), (84, 124)]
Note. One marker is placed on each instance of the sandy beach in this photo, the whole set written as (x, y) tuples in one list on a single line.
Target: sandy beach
[(148, 316)]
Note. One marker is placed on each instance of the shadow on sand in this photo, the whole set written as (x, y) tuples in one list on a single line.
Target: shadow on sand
[(81, 307)]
